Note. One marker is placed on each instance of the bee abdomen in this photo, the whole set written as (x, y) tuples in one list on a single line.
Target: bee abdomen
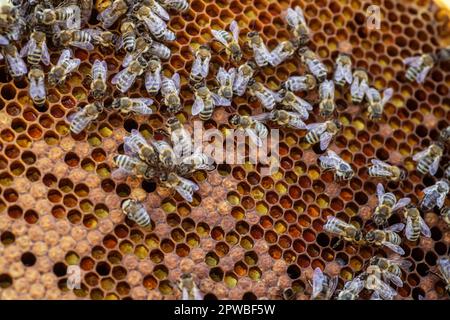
[(141, 217), (312, 137), (411, 74), (393, 238), (424, 165)]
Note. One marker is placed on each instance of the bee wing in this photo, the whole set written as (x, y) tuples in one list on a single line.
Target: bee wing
[(45, 55), (333, 282), (412, 61), (348, 74), (420, 155), (262, 117), (313, 126), (218, 36), (185, 194), (401, 203), (196, 66), (65, 54), (198, 106), (144, 101), (37, 89), (440, 201), (232, 74), (405, 264), (318, 279), (83, 45), (116, 78), (291, 17), (220, 101), (435, 166), (371, 93), (380, 192), (329, 159), (73, 65), (253, 136), (184, 294), (409, 228), (379, 163), (160, 11), (387, 95), (339, 74), (74, 22), (72, 116), (301, 106), (325, 139), (3, 41), (394, 247), (424, 228), (375, 296), (398, 227), (30, 46), (176, 80), (127, 60), (234, 27), (153, 80), (422, 75), (394, 278), (197, 294), (300, 15), (358, 89), (205, 67), (296, 121), (120, 174), (222, 76), (17, 64)]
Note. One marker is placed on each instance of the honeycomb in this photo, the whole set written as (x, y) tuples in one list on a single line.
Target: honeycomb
[(247, 235)]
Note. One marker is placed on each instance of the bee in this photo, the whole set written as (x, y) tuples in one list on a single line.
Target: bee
[(153, 76), (444, 267), (82, 118), (297, 23), (125, 78), (313, 64), (261, 54), (326, 94), (167, 157), (157, 9), (36, 78), (104, 39), (69, 16), (98, 84), (36, 49), (418, 67), (322, 132), (160, 50), (391, 269), (65, 65), (387, 205), (197, 161), (376, 103), (136, 145), (77, 38), (343, 70), (255, 129), (283, 118), (188, 288), (143, 46), (183, 186), (136, 212), (243, 75), (323, 286), (170, 90), (444, 136), (415, 225), (359, 86), (351, 289), (127, 105), (230, 41), (387, 237), (381, 169), (428, 159), (343, 230), (226, 81), (290, 101), (156, 25), (177, 5), (300, 83), (200, 67), (180, 137), (434, 196), (113, 12), (265, 96), (282, 52), (445, 213), (331, 161), (16, 66), (128, 165), (128, 36), (206, 101), (374, 282)]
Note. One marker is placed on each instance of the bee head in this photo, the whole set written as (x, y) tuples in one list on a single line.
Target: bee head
[(338, 124), (252, 65), (370, 236), (116, 103), (234, 120), (126, 203), (379, 219), (252, 34)]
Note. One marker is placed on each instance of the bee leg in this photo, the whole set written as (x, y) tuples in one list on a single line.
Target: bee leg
[(436, 274), (337, 244)]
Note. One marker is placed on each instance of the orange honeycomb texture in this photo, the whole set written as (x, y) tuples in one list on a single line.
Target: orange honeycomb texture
[(244, 236)]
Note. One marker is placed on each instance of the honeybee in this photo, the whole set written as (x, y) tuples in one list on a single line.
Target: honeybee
[(128, 36), (156, 25), (415, 225), (297, 23), (125, 78), (300, 83), (160, 50), (351, 289), (206, 101), (200, 67), (226, 81), (445, 213), (157, 9), (230, 41), (177, 5), (265, 96), (331, 161), (98, 84), (387, 205), (127, 105), (343, 230), (16, 66), (188, 288), (36, 78), (197, 161), (359, 86), (244, 73), (153, 76), (290, 101), (326, 94), (428, 159), (343, 70), (282, 52), (283, 118), (376, 103), (444, 136), (381, 169), (170, 90), (322, 132), (313, 64), (434, 196), (143, 45), (444, 267), (255, 129), (134, 166), (261, 54), (113, 12), (387, 237), (36, 49), (69, 16), (374, 282), (180, 137), (323, 286), (136, 145), (105, 39), (82, 118), (391, 269), (184, 187), (167, 157), (418, 67), (77, 38), (136, 212), (65, 65)]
